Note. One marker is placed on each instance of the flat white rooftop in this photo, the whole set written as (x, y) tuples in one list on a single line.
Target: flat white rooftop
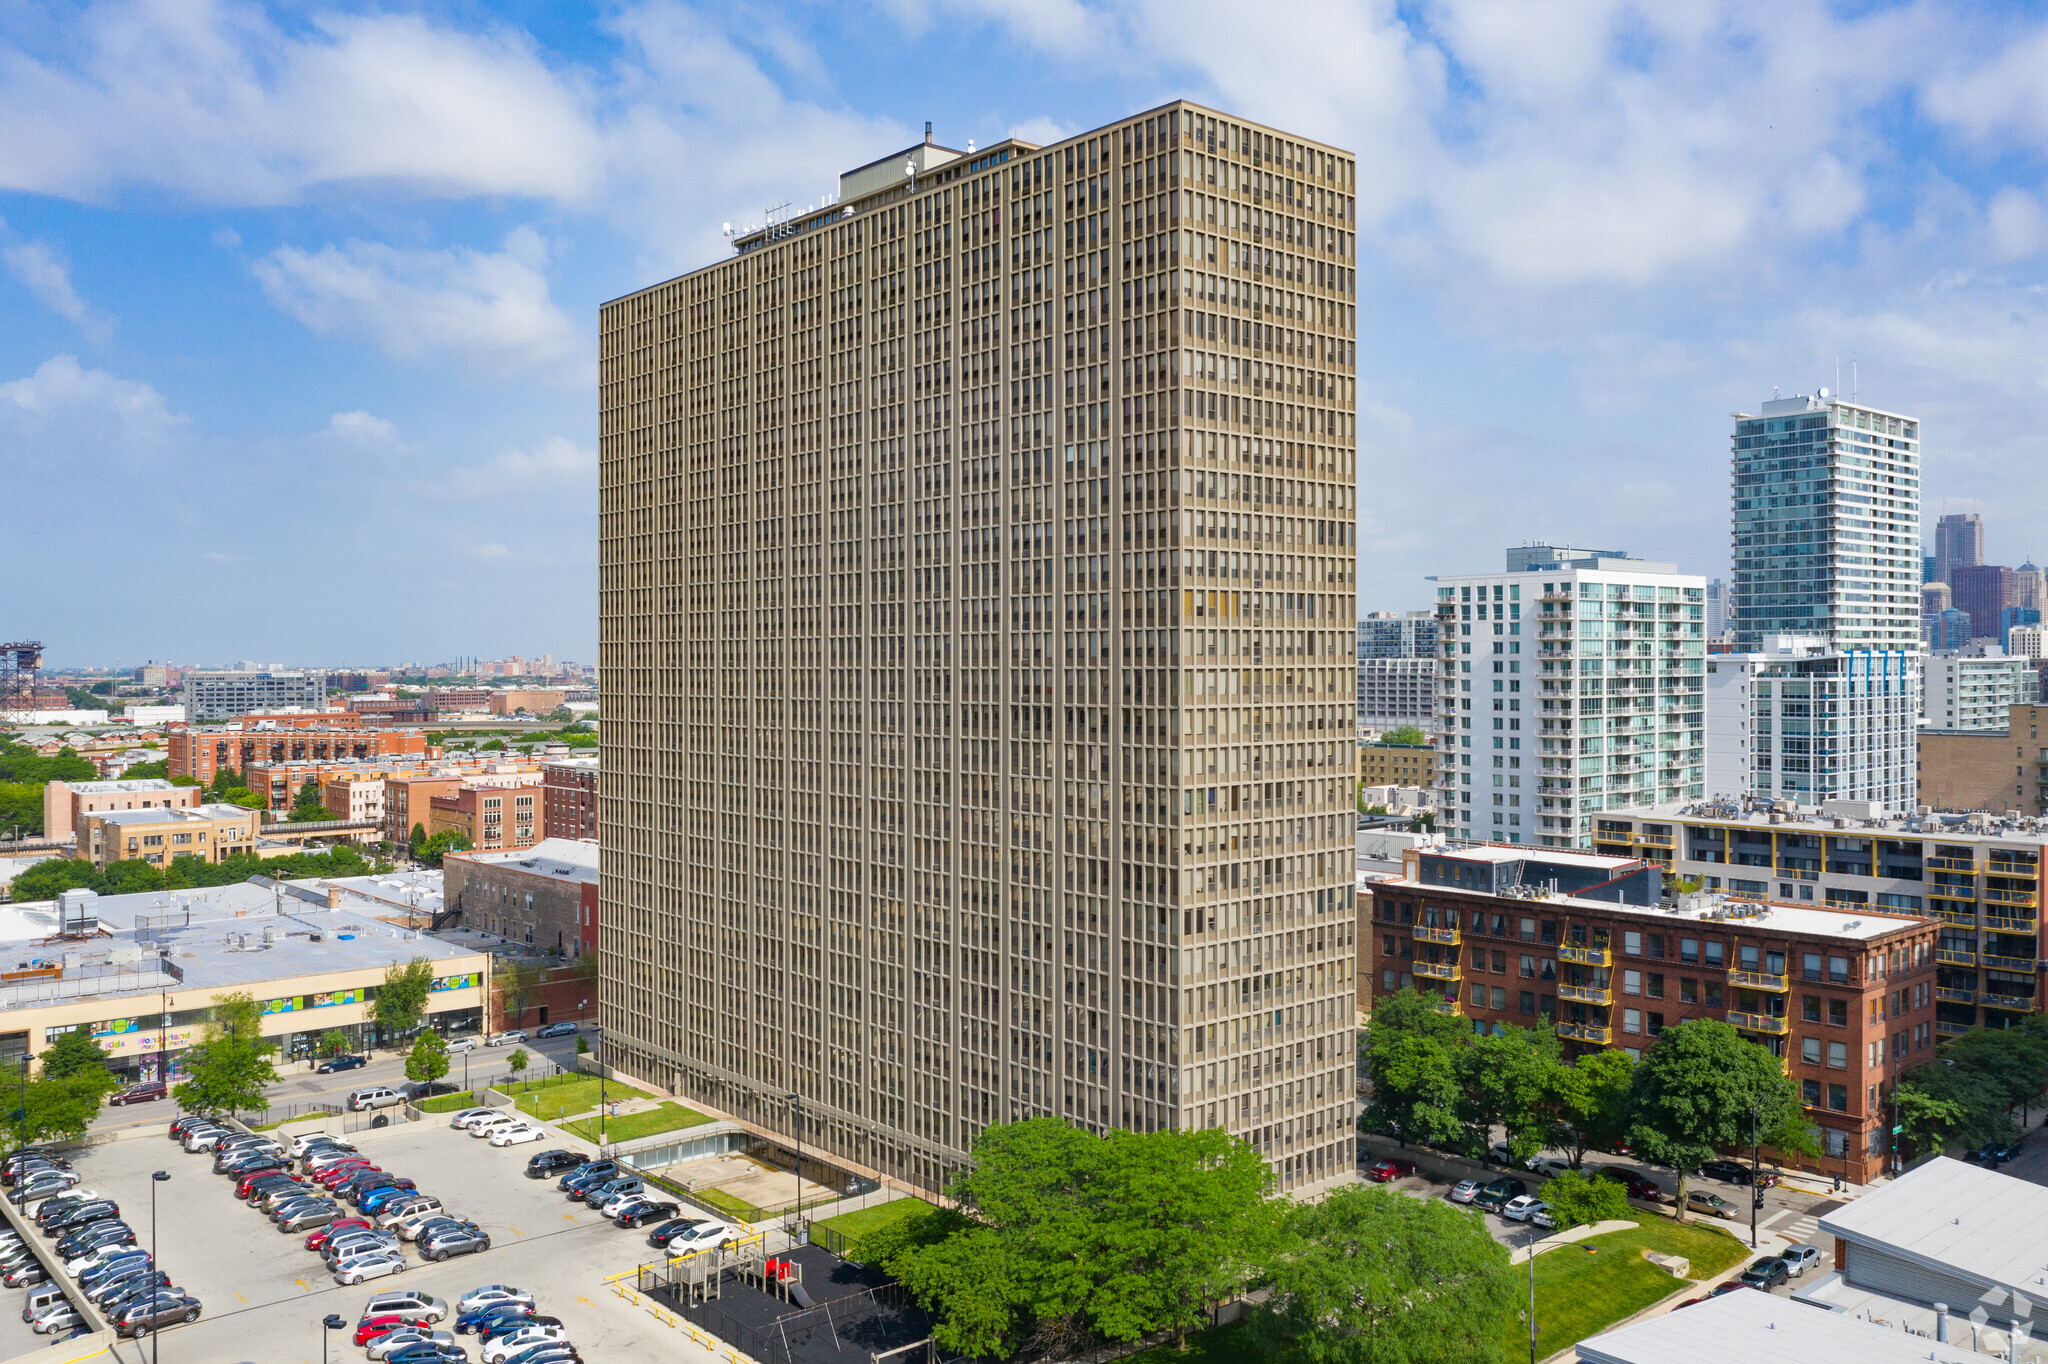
[(1760, 1328), (1861, 926)]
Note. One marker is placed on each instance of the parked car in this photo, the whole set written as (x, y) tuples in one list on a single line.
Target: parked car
[(371, 1264), (668, 1231), (1634, 1184), (121, 1285), (54, 1317), (148, 1092), (383, 1323), (452, 1241), (307, 1141), (383, 1196), (494, 1352), (155, 1312), (336, 1064), (609, 1204), (411, 1304), (506, 1323), (1799, 1259), (382, 1346), (426, 1352), (318, 1240), (459, 1119), (517, 1134), (545, 1163), (587, 1175), (1518, 1209), (432, 1089), (180, 1126), (493, 1295), (1735, 1172), (1539, 1216), (310, 1216), (641, 1211), (1464, 1191), (1392, 1168), (703, 1234), (472, 1118), (25, 1274), (373, 1096), (1499, 1194), (484, 1127), (557, 1030), (1500, 1153), (1766, 1273), (457, 1045), (1699, 1200), (506, 1039), (1547, 1166)]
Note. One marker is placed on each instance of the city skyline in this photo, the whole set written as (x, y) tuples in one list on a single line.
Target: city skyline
[(212, 321)]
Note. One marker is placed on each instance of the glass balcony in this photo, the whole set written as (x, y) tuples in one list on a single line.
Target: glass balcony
[(2023, 899), (1449, 1004), (1944, 1028), (1999, 923), (1447, 936), (2025, 871), (1583, 956), (1654, 840), (2002, 963), (1967, 894), (1968, 864), (1952, 995), (1585, 994), (1961, 918), (1584, 1032), (2016, 1003), (1949, 956), (1757, 1022), (1759, 980), (1438, 970)]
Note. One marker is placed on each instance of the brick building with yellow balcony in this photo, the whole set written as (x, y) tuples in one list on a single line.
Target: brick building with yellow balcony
[(1978, 875), (1585, 943)]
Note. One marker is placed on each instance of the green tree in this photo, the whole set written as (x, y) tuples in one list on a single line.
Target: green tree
[(440, 845), (76, 1053), (309, 807), (231, 1066), (1589, 1103), (1575, 1200), (518, 1061), (225, 779), (1062, 1238), (1506, 1077), (1694, 1093), (160, 770), (334, 1042), (20, 763), (2013, 1062), (419, 837), (402, 999), (21, 808), (1410, 1051), (428, 1059), (1370, 1276), (1939, 1104), (582, 1045), (1404, 734), (47, 880)]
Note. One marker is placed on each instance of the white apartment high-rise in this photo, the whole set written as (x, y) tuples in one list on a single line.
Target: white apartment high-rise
[(976, 618), (1826, 524), (1800, 722), (1571, 685), (1970, 688)]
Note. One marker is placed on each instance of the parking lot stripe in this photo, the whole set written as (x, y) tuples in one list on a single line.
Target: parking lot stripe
[(515, 1231)]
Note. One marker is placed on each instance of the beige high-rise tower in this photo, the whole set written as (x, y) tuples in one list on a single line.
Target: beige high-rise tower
[(977, 620)]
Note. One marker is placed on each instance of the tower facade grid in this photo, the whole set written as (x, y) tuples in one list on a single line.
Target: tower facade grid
[(977, 632)]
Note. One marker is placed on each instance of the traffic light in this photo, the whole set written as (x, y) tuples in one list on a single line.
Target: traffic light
[(1756, 1199)]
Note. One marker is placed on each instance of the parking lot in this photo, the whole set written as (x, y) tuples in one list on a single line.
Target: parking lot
[(265, 1294)]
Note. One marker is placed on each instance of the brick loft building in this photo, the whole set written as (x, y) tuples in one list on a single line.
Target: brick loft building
[(1845, 999), (200, 753), (569, 793), (493, 817)]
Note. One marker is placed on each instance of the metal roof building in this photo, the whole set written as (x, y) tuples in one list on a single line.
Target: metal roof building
[(1758, 1328)]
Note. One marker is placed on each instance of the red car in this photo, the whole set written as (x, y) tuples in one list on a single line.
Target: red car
[(319, 1238), (1635, 1184), (148, 1092), (369, 1328), (334, 1175), (1385, 1171), (248, 1181)]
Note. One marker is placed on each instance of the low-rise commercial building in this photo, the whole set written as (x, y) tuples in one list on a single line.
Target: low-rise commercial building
[(1762, 1328), (569, 798), (544, 896), (490, 816), (66, 802), (211, 833), (534, 701), (1516, 936), (141, 971)]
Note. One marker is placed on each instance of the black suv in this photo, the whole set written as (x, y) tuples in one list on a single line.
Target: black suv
[(588, 1175), (551, 1162), (1765, 1273), (1735, 1172)]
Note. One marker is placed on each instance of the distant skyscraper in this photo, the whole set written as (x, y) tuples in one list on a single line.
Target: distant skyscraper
[(1945, 629), (1984, 591), (1717, 609), (1827, 525), (2030, 588), (1958, 543), (1397, 634)]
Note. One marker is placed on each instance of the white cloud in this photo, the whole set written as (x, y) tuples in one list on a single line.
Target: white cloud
[(1044, 130), (226, 238), (361, 428), (2016, 224), (47, 275), (65, 415), (556, 465), (489, 310)]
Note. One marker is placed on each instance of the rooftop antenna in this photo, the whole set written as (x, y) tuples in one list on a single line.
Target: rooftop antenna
[(1855, 387)]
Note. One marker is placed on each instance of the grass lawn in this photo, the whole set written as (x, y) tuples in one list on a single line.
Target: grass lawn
[(449, 1103), (667, 1117), (877, 1217), (555, 1099), (1581, 1292), (730, 1206), (1218, 1345)]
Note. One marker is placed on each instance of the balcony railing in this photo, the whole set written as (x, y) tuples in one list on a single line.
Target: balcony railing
[(2025, 871), (1950, 994), (1448, 1004), (1967, 894), (2002, 963), (1949, 956), (1757, 1022), (1447, 936), (1584, 1032), (1968, 864), (2018, 1003), (1961, 918), (1585, 994), (1759, 980), (1999, 923), (1944, 1028), (1437, 970), (2024, 899)]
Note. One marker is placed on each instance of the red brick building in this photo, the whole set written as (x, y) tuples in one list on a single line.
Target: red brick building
[(493, 817), (1844, 998), (569, 789), (200, 753)]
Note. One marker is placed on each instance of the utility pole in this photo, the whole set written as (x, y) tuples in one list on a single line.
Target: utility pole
[(1756, 1177)]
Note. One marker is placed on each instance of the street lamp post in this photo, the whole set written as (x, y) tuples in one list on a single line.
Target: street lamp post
[(1756, 1182), (603, 1108), (334, 1322), (1532, 1291), (159, 1177), (798, 1101)]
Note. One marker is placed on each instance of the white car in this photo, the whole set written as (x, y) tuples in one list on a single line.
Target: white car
[(468, 1115), (1539, 1216), (471, 1118), (616, 1201), (409, 1227), (372, 1264), (514, 1134), (1465, 1191), (1518, 1209), (1548, 1165), (383, 1345), (490, 1295), (506, 1039), (305, 1141), (483, 1127), (457, 1045), (703, 1235), (58, 1316), (525, 1338)]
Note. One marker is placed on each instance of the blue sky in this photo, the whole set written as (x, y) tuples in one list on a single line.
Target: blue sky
[(297, 315)]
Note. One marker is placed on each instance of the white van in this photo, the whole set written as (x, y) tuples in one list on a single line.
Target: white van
[(373, 1096)]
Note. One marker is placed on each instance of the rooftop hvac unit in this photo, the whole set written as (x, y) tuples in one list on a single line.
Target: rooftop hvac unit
[(78, 911)]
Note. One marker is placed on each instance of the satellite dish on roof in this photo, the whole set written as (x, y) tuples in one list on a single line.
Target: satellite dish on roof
[(1823, 395)]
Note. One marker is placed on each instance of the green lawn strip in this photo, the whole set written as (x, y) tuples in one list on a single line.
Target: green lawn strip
[(667, 1117), (555, 1099), (449, 1103), (1217, 1345), (1587, 1286), (729, 1205), (863, 1222)]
